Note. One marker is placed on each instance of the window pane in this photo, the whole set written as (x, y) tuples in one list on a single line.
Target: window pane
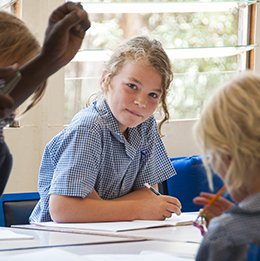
[(173, 30), (190, 90), (181, 33), (6, 5)]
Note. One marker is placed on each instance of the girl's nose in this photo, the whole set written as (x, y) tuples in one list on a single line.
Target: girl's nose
[(140, 103)]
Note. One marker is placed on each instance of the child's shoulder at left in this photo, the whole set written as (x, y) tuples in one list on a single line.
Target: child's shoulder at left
[(85, 117)]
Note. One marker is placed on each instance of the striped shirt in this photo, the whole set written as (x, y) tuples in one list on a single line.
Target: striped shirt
[(91, 153)]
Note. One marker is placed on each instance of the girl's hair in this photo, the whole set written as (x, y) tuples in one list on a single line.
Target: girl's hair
[(151, 52), (230, 125), (18, 45)]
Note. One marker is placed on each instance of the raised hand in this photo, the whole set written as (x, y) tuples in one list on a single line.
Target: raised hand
[(65, 33)]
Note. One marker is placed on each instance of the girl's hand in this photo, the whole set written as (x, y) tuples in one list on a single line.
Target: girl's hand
[(158, 207), (216, 209)]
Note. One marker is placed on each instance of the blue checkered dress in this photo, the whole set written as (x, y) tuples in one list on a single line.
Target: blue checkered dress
[(91, 153)]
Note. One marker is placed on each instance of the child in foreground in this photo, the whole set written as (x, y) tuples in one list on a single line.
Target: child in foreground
[(19, 50), (229, 135), (17, 46), (95, 169)]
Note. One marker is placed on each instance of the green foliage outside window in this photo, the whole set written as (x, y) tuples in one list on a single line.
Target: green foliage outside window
[(194, 79)]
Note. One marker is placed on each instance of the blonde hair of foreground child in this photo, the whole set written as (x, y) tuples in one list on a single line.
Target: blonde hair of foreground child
[(18, 45), (151, 53), (230, 127)]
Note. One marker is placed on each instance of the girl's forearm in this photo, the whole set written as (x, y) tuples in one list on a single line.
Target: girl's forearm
[(74, 209), (34, 73)]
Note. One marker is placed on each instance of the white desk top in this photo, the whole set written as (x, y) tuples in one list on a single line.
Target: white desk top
[(186, 233), (180, 241), (179, 234), (43, 239), (175, 249)]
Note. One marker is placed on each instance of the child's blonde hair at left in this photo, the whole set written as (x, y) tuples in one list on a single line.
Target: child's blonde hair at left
[(230, 125), (18, 45)]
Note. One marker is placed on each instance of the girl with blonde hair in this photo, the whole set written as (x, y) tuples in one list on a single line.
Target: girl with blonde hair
[(228, 133), (17, 46), (20, 51), (95, 169)]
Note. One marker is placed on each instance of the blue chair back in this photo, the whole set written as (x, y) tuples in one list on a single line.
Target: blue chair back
[(15, 208), (253, 252), (191, 179)]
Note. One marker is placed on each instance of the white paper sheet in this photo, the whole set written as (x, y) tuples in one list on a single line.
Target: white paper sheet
[(183, 219), (10, 235)]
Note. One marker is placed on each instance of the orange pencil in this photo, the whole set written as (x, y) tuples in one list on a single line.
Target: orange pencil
[(211, 202)]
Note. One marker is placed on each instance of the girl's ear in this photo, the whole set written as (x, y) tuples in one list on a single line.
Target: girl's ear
[(103, 80), (226, 155)]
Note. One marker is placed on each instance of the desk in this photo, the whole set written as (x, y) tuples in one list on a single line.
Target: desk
[(175, 248), (184, 250), (179, 241), (179, 233), (45, 239)]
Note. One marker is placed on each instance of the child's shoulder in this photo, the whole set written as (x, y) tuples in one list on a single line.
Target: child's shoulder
[(149, 127), (87, 117)]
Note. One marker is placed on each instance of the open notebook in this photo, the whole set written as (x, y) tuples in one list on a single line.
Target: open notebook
[(184, 219)]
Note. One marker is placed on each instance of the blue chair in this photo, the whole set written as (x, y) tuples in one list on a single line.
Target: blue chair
[(191, 179), (15, 208), (253, 252)]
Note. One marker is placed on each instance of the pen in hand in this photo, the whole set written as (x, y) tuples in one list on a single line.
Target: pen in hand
[(156, 192)]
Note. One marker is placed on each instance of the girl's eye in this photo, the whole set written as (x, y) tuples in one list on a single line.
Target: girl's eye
[(154, 95), (132, 86)]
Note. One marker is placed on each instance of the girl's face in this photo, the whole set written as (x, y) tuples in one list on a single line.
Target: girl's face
[(219, 163), (134, 94)]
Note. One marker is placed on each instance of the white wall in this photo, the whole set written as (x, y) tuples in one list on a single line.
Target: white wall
[(178, 139), (27, 143)]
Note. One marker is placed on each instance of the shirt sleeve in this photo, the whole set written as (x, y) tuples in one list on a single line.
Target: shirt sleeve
[(76, 156)]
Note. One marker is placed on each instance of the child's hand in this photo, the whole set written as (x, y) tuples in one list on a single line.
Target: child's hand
[(216, 209), (159, 207), (65, 33)]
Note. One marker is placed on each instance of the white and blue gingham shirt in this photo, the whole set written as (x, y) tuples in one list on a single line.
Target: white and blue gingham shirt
[(91, 153), (229, 234)]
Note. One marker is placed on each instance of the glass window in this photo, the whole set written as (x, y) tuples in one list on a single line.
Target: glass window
[(7, 5), (208, 42)]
